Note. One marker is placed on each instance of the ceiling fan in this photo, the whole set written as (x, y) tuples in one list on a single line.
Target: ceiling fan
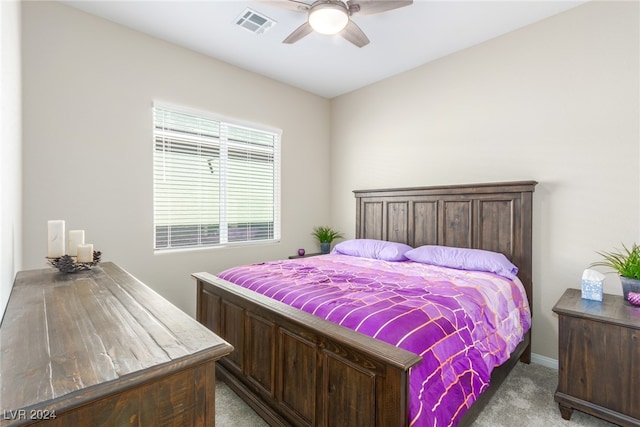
[(334, 17)]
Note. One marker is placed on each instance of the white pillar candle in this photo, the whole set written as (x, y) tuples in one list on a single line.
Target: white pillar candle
[(76, 237), (85, 253), (55, 238)]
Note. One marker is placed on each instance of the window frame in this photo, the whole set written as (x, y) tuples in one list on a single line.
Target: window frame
[(223, 141)]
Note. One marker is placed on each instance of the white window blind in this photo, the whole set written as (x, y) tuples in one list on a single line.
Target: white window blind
[(215, 182)]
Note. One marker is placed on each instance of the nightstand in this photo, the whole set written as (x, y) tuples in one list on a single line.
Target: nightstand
[(599, 358), (306, 255)]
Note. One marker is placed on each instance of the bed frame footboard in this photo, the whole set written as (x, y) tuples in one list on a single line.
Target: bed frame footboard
[(297, 369)]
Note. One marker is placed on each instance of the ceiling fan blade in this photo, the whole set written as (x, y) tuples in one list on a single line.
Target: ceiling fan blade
[(300, 32), (294, 5), (370, 7), (354, 34)]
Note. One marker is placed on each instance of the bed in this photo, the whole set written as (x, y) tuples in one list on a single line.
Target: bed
[(295, 368)]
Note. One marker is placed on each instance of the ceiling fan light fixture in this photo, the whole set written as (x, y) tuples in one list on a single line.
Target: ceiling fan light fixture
[(328, 18)]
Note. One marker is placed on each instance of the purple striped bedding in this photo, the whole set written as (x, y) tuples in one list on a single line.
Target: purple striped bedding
[(462, 323)]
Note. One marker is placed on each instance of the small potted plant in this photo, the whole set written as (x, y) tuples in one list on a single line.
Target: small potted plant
[(626, 263), (325, 236)]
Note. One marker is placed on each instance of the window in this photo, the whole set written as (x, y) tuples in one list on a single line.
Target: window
[(215, 182)]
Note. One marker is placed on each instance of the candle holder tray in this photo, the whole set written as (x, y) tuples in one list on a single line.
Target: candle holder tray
[(68, 264)]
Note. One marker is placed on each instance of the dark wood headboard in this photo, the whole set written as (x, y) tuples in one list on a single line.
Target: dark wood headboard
[(491, 216)]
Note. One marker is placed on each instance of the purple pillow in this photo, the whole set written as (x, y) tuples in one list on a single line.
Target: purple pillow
[(464, 259), (371, 248)]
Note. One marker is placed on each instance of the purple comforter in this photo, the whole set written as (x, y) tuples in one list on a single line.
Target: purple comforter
[(462, 323)]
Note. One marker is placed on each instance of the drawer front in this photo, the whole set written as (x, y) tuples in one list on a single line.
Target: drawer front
[(598, 363)]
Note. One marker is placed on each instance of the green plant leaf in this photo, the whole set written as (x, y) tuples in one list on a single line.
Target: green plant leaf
[(626, 261), (326, 234)]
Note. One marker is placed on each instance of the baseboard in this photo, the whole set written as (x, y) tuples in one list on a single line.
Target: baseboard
[(544, 361)]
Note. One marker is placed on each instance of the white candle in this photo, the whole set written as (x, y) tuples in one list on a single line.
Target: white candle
[(85, 252), (76, 237), (55, 239)]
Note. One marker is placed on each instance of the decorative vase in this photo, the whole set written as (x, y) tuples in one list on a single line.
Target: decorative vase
[(301, 252), (629, 285), (325, 247)]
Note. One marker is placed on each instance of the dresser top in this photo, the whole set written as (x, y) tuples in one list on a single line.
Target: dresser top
[(612, 309), (67, 338)]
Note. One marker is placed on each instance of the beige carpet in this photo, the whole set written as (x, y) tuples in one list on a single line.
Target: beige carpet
[(525, 399)]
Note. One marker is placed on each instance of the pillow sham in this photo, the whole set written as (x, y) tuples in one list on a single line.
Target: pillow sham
[(464, 259), (372, 248)]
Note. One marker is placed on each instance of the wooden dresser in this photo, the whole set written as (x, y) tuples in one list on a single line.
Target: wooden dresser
[(101, 348), (599, 358)]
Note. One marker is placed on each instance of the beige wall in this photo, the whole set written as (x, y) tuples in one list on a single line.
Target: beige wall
[(10, 149), (88, 91), (555, 102)]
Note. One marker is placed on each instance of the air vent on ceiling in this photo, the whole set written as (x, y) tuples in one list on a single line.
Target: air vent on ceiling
[(254, 21)]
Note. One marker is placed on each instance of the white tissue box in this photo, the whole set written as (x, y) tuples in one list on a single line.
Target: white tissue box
[(592, 289), (592, 285)]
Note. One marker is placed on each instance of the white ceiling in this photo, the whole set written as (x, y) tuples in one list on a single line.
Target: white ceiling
[(329, 66)]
